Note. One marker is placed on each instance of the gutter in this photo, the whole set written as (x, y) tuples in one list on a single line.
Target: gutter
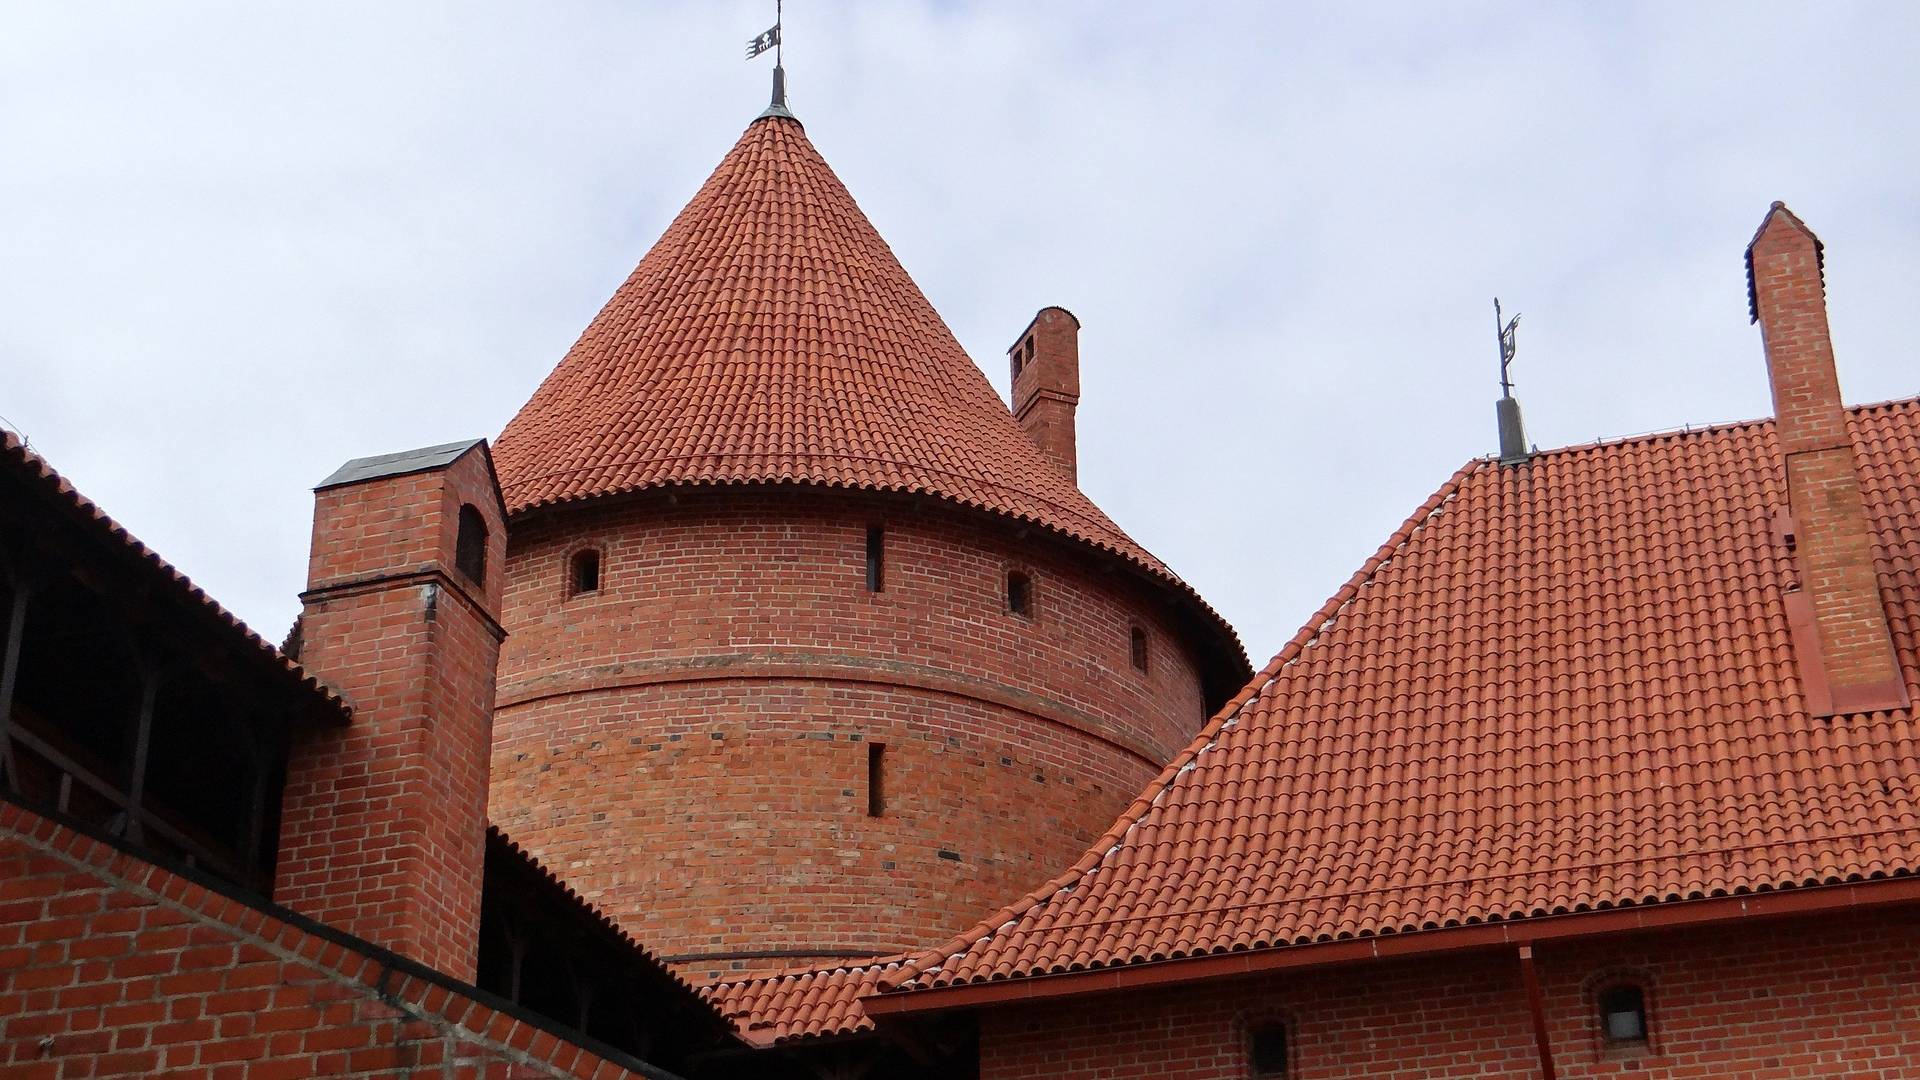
[(1518, 932)]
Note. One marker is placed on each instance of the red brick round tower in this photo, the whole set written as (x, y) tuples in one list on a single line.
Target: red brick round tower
[(814, 653)]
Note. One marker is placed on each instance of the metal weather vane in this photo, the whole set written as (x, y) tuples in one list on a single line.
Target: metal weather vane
[(768, 40), (762, 43), (1507, 346)]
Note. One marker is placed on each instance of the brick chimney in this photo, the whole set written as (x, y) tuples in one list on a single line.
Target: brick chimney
[(1841, 640), (383, 824), (1046, 384)]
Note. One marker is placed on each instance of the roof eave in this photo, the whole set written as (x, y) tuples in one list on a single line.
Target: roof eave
[(1534, 930)]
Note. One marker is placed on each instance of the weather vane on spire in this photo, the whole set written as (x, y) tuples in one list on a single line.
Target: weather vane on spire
[(771, 40), (1507, 346)]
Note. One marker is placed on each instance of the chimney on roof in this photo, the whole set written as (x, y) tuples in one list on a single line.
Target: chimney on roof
[(1046, 384), (1841, 640), (383, 822)]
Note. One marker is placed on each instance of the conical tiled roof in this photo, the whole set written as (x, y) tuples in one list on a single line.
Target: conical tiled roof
[(771, 336)]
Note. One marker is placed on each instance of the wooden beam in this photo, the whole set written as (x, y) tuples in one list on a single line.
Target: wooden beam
[(142, 741), (9, 677)]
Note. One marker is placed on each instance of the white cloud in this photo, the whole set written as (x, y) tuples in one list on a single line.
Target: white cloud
[(243, 242)]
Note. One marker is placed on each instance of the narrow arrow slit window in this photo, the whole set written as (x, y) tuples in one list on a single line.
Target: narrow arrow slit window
[(876, 558), (876, 779)]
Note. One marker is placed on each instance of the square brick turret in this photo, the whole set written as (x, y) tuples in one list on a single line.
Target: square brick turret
[(384, 821)]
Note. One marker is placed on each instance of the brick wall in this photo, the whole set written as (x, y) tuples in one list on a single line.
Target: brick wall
[(110, 966), (383, 824), (688, 745), (1780, 1000)]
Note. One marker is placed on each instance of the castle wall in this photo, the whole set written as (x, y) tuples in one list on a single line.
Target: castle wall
[(116, 967), (688, 745), (1835, 996)]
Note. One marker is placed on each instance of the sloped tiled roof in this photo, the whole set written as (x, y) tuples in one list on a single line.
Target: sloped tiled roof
[(806, 1003), (1559, 688), (771, 336), (38, 475)]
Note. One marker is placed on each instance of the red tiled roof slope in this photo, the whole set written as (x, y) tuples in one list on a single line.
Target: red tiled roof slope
[(1560, 687), (770, 336), (18, 458), (804, 1003)]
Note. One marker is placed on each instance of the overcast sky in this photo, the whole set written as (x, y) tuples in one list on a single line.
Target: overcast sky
[(243, 242)]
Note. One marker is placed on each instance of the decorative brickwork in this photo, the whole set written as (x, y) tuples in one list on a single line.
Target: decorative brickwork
[(384, 821), (1786, 1000), (116, 967), (687, 744)]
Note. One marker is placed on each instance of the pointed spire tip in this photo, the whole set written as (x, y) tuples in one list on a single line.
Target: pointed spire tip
[(778, 106)]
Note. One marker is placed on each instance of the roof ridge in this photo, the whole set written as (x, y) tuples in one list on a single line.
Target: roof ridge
[(924, 962), (1718, 428)]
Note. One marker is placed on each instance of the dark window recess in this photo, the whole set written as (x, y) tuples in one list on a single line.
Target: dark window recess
[(876, 558), (876, 779), (470, 546), (1137, 645), (1269, 1051), (1623, 1015), (1020, 594), (583, 572)]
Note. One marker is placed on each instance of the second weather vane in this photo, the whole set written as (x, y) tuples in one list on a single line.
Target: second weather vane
[(1507, 346)]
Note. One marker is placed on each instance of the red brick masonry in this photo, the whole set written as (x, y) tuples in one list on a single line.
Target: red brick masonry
[(1835, 996), (688, 745), (111, 966)]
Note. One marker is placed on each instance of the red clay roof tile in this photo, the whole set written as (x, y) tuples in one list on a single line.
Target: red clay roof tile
[(770, 336), (804, 1003), (34, 470), (1560, 687)]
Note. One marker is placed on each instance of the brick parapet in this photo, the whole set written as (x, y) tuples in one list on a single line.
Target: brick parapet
[(118, 966)]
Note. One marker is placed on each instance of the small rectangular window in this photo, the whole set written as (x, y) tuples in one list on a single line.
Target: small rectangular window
[(1020, 594), (470, 545), (1137, 644), (1623, 1014), (584, 572), (876, 558), (876, 779), (1269, 1051)]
